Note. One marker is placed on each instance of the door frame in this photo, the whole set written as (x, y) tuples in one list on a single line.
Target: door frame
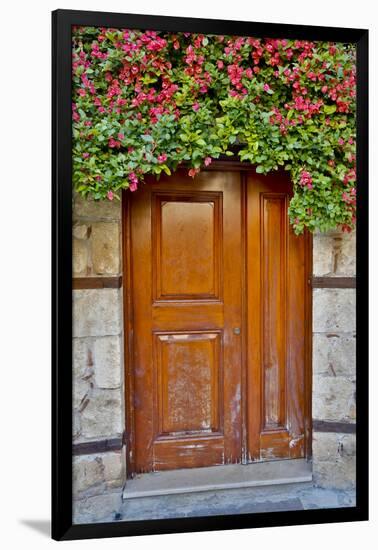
[(228, 164)]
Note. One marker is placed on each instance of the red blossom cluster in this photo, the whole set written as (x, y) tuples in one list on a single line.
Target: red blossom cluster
[(133, 181), (142, 76), (195, 67), (306, 179)]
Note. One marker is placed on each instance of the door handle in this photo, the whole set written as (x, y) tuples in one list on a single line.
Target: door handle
[(237, 331)]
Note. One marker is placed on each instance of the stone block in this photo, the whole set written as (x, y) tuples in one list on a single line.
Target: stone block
[(80, 356), (105, 248), (96, 312), (334, 354), (340, 474), (80, 391), (82, 371), (107, 361), (322, 255), (333, 399), (76, 425), (334, 460), (79, 257), (80, 231), (334, 310), (98, 473), (345, 261), (88, 473), (102, 416), (97, 508), (96, 210), (334, 254), (329, 446), (114, 468)]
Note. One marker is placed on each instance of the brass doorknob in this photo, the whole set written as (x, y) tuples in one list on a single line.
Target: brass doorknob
[(237, 330)]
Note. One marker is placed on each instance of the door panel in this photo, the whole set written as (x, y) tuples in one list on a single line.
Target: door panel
[(189, 376), (186, 273), (206, 257), (276, 319), (177, 276)]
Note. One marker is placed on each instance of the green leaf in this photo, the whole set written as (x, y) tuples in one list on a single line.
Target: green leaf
[(329, 109), (190, 136), (147, 138), (166, 169)]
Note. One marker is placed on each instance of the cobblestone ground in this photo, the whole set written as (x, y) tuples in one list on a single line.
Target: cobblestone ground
[(236, 501)]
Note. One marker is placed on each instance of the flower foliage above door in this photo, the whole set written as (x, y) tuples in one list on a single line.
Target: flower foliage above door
[(145, 102)]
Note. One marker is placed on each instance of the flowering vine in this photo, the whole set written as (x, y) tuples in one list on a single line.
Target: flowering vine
[(145, 102)]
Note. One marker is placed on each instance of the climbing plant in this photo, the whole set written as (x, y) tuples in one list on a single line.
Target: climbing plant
[(145, 102)]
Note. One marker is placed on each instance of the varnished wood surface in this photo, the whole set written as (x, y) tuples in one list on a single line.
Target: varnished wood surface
[(82, 283), (186, 276), (277, 290), (206, 256), (100, 446), (333, 282)]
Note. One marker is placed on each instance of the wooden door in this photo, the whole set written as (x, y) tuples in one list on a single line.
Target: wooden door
[(218, 322), (278, 323), (186, 276)]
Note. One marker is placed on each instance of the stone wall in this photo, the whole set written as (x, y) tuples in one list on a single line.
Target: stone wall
[(334, 365), (98, 388), (98, 391)]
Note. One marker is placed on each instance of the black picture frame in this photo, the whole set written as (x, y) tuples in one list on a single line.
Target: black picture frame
[(62, 526)]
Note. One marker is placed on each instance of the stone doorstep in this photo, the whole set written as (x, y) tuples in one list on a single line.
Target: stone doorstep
[(232, 476)]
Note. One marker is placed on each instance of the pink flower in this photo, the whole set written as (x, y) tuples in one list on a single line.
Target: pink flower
[(82, 92), (341, 141), (266, 87), (249, 73), (162, 158), (85, 155), (220, 64), (121, 136), (114, 144), (306, 179), (208, 161), (110, 195), (196, 106), (193, 171), (133, 181)]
